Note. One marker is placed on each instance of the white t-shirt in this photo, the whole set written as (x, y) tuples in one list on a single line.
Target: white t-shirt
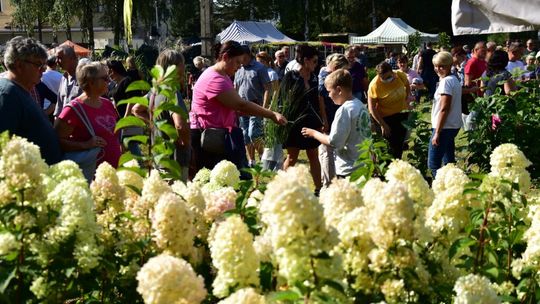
[(350, 127), (449, 85), (293, 65), (51, 79)]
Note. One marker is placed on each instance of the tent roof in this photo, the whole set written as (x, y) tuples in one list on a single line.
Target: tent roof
[(252, 32), (392, 31), (491, 16), (79, 50)]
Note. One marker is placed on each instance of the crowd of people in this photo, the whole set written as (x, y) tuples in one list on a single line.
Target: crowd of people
[(73, 115)]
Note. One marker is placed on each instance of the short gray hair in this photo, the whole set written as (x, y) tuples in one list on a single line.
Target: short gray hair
[(88, 72), (443, 59), (169, 57), (21, 48), (67, 50)]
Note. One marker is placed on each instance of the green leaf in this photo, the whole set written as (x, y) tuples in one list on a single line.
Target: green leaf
[(134, 100), (493, 272), (173, 167), (286, 295), (125, 157), (7, 280), (156, 72), (459, 245), (130, 121), (169, 130), (334, 284), (138, 138), (138, 85), (170, 70), (265, 275), (169, 106)]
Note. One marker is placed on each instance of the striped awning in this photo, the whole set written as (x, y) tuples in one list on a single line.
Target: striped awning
[(252, 32), (392, 31)]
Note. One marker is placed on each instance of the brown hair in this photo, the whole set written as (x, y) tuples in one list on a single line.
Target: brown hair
[(231, 48), (341, 78), (383, 67)]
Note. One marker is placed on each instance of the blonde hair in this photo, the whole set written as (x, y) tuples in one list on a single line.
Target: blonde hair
[(341, 78), (339, 61), (88, 72), (443, 59)]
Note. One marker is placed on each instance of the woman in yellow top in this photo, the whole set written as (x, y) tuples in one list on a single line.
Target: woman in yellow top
[(387, 98)]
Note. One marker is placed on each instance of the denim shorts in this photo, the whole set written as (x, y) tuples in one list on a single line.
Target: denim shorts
[(252, 128)]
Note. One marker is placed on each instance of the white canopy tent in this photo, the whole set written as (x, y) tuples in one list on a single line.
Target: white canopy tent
[(392, 31), (252, 32), (494, 16)]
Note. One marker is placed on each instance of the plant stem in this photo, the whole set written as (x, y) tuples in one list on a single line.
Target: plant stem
[(480, 252)]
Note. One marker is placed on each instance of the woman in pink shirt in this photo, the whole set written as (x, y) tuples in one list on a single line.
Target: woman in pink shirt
[(215, 105), (101, 113)]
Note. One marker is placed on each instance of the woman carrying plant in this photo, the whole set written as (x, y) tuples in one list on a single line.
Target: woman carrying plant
[(445, 114), (387, 99), (90, 106), (309, 111), (214, 110)]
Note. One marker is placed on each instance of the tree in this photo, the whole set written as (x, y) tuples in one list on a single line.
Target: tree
[(112, 17), (31, 14)]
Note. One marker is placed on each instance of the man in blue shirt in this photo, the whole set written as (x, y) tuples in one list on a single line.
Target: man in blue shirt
[(253, 84), (25, 60)]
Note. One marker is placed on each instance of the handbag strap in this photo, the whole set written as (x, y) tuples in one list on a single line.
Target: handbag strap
[(81, 113)]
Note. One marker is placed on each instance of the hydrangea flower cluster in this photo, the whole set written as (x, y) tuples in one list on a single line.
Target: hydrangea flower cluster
[(391, 213), (417, 187), (225, 174), (531, 256), (449, 214), (202, 177), (76, 217), (233, 256), (296, 225), (166, 279), (219, 201), (172, 226), (193, 196), (244, 296), (338, 199), (106, 189), (474, 289), (394, 291), (8, 243), (508, 162)]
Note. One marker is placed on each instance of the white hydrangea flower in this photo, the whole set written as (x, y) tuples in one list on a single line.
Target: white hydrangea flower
[(202, 177), (225, 174), (129, 178), (391, 218), (449, 176), (39, 287), (531, 256), (394, 291), (233, 256), (517, 268), (474, 289), (193, 196), (76, 217), (255, 199), (296, 225), (106, 189), (449, 213), (21, 165), (505, 288), (8, 243), (355, 245), (244, 296), (263, 247), (338, 199), (218, 202), (172, 226), (166, 279), (154, 187), (370, 192), (508, 162), (63, 170), (417, 187)]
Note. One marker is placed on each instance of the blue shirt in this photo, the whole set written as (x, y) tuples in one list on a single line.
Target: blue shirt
[(21, 115), (250, 81)]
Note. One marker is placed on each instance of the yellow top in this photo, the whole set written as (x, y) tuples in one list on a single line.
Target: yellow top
[(390, 98)]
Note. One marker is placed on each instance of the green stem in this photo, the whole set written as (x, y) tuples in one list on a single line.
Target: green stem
[(480, 251)]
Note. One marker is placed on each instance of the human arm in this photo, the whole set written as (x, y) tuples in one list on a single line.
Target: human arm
[(445, 102), (266, 95), (420, 65), (231, 99), (372, 107), (324, 117), (319, 136), (509, 86), (64, 130)]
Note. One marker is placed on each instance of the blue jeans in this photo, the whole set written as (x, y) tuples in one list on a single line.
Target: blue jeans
[(444, 152), (252, 128)]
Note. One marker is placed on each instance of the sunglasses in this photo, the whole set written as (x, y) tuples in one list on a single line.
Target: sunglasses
[(40, 66)]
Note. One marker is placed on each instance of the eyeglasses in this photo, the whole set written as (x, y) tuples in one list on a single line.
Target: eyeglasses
[(40, 66)]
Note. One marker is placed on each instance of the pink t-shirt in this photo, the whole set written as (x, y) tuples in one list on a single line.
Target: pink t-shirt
[(206, 110), (103, 120)]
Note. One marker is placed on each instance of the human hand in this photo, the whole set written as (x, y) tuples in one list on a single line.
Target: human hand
[(325, 127), (96, 141), (386, 131), (279, 119), (435, 139), (307, 132)]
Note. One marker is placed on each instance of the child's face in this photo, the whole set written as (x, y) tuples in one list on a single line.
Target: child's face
[(335, 94)]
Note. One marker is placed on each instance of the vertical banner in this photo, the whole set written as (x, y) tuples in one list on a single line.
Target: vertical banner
[(128, 8)]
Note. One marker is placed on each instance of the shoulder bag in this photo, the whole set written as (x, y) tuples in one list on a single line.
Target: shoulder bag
[(86, 159)]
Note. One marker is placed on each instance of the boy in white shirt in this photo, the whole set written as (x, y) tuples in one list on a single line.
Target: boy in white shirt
[(351, 124)]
